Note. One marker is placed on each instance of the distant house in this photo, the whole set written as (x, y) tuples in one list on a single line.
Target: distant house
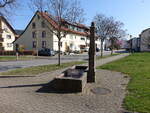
[(38, 35), (7, 35), (145, 40)]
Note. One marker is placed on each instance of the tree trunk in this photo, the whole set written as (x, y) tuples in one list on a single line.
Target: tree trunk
[(112, 46), (59, 52), (112, 51), (101, 48)]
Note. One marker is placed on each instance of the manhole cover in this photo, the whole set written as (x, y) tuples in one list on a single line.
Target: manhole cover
[(100, 91)]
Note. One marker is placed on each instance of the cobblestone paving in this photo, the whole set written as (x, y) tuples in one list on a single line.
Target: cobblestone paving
[(19, 95)]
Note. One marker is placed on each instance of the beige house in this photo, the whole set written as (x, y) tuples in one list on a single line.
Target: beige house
[(38, 34), (145, 40), (7, 35)]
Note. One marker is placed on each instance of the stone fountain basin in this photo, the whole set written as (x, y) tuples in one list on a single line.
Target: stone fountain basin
[(72, 80)]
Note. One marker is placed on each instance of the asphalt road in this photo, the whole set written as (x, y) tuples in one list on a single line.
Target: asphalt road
[(10, 65)]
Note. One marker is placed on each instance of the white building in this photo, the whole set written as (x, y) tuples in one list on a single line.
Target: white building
[(7, 35), (38, 35), (145, 40)]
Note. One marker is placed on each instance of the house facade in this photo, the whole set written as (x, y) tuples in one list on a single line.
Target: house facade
[(7, 35), (145, 40), (40, 33)]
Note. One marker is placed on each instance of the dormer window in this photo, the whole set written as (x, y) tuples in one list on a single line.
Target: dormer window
[(33, 25)]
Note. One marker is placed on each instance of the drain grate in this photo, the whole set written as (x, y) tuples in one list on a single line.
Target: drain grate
[(100, 91)]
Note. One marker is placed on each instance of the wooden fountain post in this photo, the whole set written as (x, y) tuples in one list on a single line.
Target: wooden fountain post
[(91, 71)]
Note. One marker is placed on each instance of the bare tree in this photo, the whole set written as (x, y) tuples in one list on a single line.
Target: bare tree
[(39, 5), (116, 31), (7, 6), (102, 28), (63, 10), (108, 28), (75, 13)]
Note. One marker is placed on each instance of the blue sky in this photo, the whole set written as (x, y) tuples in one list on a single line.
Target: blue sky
[(133, 13)]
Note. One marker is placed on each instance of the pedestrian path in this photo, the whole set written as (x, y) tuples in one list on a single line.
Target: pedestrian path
[(19, 95)]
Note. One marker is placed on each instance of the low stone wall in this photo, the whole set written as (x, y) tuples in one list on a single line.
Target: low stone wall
[(70, 84)]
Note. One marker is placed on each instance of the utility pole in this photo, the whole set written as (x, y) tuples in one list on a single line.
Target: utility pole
[(91, 71)]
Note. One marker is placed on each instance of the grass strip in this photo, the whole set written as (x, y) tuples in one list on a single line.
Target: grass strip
[(137, 66), (40, 69)]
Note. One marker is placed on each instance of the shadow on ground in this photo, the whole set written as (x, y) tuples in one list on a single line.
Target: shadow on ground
[(51, 87), (22, 86), (121, 52), (45, 88), (15, 76)]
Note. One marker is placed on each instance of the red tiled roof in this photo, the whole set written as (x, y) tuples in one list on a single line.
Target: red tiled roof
[(55, 25), (49, 18)]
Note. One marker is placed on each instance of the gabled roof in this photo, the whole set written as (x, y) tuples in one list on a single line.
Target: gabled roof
[(54, 24), (7, 23), (51, 20)]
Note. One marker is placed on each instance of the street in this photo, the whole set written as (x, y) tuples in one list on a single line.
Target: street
[(9, 65)]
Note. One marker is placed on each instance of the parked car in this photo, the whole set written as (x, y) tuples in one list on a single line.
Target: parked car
[(46, 52), (86, 49), (97, 49)]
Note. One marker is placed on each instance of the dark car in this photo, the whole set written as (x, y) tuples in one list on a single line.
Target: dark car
[(46, 52), (97, 49)]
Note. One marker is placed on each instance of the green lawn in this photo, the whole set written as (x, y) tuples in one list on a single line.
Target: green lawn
[(40, 69), (137, 66), (13, 58)]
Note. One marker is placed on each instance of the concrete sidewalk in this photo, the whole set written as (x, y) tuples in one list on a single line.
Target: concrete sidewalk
[(19, 95), (110, 59)]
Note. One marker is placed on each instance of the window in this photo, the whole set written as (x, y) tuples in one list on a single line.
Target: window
[(43, 34), (43, 24), (82, 38), (9, 44), (71, 37), (61, 44), (148, 46), (34, 44), (33, 34), (33, 25), (43, 44), (8, 36), (38, 16), (73, 27)]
